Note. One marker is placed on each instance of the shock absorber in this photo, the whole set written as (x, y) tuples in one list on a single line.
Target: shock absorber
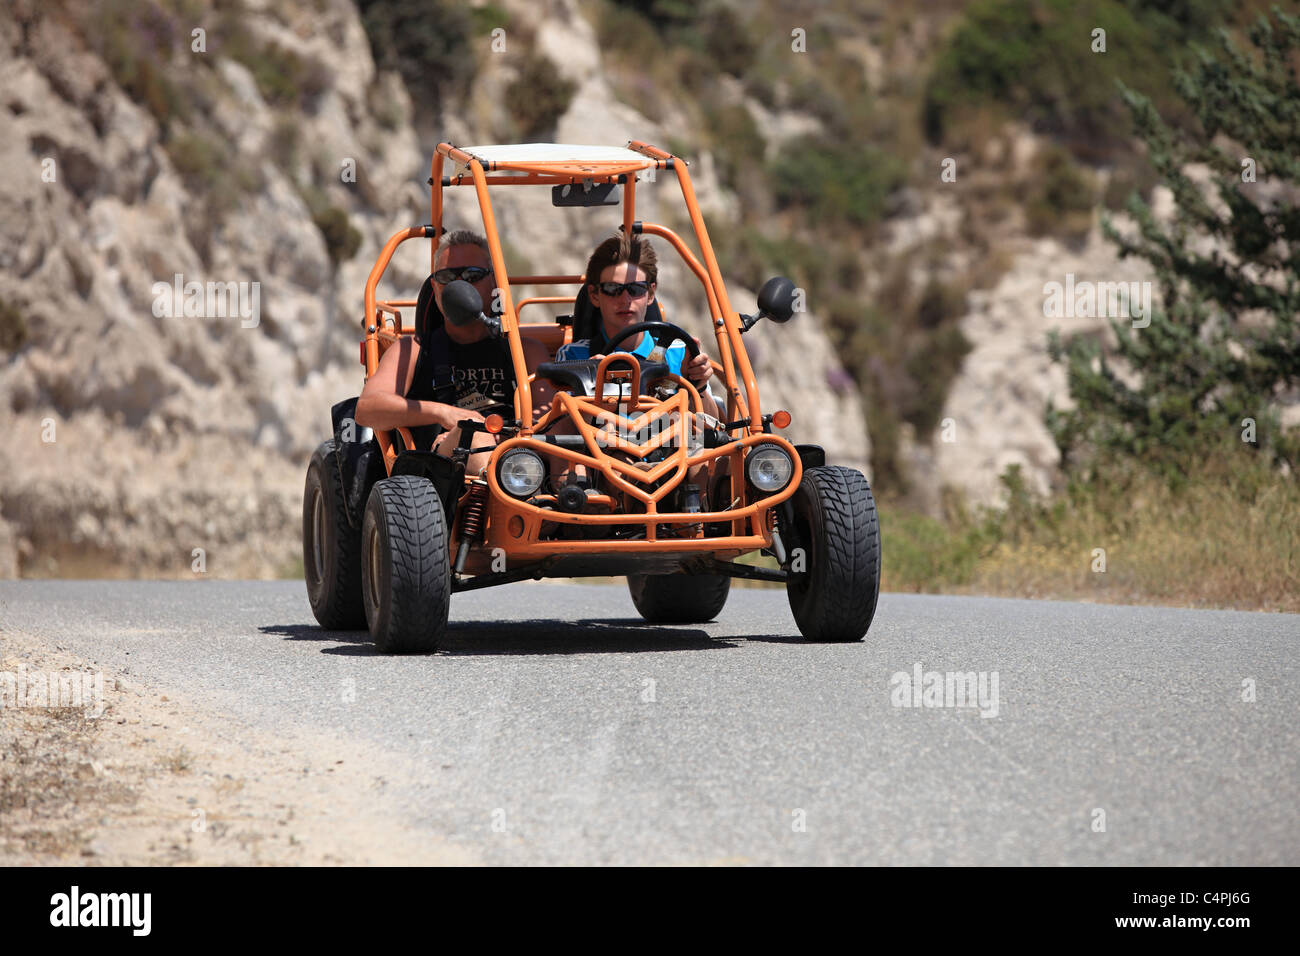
[(471, 521)]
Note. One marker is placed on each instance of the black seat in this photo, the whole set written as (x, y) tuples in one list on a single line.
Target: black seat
[(584, 316), (428, 317)]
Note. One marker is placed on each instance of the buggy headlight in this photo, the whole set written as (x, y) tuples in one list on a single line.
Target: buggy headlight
[(769, 468), (521, 472)]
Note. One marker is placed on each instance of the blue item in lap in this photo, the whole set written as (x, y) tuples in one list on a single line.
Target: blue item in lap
[(647, 349)]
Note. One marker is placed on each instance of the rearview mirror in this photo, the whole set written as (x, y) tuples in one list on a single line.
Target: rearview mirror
[(584, 194), (776, 299)]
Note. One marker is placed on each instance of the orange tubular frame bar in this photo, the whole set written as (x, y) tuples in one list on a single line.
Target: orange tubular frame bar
[(729, 317)]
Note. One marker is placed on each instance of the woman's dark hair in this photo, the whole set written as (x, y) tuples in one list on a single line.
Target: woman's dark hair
[(623, 248)]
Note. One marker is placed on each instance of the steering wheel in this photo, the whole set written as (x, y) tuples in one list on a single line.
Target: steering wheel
[(659, 331)]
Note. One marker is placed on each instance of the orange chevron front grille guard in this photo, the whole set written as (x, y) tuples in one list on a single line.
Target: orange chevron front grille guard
[(515, 525)]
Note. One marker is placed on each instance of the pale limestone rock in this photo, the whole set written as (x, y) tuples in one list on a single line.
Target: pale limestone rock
[(176, 432), (998, 400)]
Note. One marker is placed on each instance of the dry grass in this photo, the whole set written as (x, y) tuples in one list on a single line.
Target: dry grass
[(1228, 538)]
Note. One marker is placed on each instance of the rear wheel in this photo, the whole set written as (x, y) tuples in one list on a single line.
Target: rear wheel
[(406, 571), (835, 573), (679, 598), (331, 547)]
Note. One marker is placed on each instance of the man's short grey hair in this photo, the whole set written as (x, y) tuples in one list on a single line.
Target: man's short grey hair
[(463, 237)]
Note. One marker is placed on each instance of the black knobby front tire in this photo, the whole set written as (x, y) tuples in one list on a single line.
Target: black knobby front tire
[(331, 547), (406, 567), (836, 527), (679, 598)]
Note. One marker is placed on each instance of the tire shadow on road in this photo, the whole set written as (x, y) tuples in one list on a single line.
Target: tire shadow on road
[(547, 636), (311, 632)]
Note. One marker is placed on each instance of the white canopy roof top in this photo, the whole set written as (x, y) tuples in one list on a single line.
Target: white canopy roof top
[(558, 153)]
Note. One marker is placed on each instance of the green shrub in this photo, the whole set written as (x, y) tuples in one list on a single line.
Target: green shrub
[(341, 240), (208, 167), (286, 79), (1033, 59), (1133, 175), (285, 140), (933, 364), (1061, 196), (1224, 343), (538, 96), (488, 18), (940, 301), (735, 140), (665, 15), (625, 34), (13, 328), (214, 176), (198, 158), (834, 180), (925, 554), (430, 42), (136, 39)]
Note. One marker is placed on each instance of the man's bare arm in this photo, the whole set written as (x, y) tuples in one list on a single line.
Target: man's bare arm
[(384, 405)]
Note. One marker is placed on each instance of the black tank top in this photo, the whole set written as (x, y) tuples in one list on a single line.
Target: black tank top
[(482, 376)]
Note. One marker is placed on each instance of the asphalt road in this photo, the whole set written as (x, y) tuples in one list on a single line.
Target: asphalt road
[(556, 727)]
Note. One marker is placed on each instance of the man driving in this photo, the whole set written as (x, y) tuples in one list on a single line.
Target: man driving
[(466, 372)]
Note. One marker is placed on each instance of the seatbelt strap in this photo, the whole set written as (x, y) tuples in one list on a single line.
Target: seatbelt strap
[(440, 358)]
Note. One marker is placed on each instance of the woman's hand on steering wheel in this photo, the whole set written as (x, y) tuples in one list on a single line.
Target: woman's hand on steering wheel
[(660, 332), (698, 369)]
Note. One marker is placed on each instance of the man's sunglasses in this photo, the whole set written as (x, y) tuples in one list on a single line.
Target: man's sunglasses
[(635, 289), (468, 273)]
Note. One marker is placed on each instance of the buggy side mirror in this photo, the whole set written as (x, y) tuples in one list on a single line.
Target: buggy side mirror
[(776, 299), (461, 303), (775, 302)]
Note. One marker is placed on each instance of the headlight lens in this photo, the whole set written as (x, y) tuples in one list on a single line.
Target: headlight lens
[(769, 469), (521, 472)]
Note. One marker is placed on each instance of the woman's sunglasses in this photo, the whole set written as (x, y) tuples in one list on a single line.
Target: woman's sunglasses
[(468, 273), (635, 289)]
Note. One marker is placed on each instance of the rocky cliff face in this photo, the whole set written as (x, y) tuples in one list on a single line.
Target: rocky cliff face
[(993, 416), (140, 440)]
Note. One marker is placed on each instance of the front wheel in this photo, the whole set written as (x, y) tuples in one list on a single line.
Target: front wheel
[(679, 598), (834, 577), (405, 566)]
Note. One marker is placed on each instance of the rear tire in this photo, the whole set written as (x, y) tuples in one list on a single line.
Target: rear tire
[(406, 568), (679, 598), (834, 599), (331, 547)]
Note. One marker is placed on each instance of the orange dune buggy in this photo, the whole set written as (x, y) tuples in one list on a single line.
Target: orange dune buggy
[(391, 529)]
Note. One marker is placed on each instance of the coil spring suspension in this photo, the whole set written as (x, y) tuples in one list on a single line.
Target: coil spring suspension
[(471, 521)]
